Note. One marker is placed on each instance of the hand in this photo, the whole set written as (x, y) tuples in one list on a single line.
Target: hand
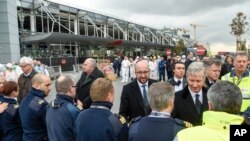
[(78, 102), (3, 106)]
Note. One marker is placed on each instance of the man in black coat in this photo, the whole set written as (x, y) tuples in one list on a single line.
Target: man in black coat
[(191, 102), (213, 70), (134, 100), (89, 75), (178, 81)]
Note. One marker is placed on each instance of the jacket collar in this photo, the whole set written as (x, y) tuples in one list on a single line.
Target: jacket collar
[(65, 97), (245, 74), (108, 105), (9, 100), (220, 120), (37, 92)]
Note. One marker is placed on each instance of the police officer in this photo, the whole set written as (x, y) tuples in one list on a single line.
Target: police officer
[(62, 112), (9, 119), (33, 109), (225, 100), (240, 76), (158, 126), (98, 123)]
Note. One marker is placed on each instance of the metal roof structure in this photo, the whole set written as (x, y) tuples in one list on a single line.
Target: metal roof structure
[(55, 37)]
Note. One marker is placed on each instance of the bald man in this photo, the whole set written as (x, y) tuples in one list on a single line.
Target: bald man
[(62, 112), (89, 75), (134, 98), (33, 109)]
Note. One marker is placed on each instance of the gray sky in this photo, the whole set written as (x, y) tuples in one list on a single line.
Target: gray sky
[(215, 15)]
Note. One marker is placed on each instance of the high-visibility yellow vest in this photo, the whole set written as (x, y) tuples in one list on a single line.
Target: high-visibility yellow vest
[(215, 127), (244, 85)]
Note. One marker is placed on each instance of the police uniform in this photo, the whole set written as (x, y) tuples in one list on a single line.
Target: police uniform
[(98, 124), (243, 82), (32, 114), (10, 121), (60, 118), (215, 127), (158, 126)]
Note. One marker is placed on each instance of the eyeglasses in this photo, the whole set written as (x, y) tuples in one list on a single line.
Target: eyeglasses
[(74, 86), (142, 72)]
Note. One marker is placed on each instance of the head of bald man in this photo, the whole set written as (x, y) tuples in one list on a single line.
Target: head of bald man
[(65, 85), (142, 71), (89, 65), (42, 82)]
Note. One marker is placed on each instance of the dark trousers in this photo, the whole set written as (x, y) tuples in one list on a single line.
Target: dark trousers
[(161, 74)]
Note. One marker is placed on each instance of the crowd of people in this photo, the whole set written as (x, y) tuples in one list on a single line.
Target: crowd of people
[(194, 100)]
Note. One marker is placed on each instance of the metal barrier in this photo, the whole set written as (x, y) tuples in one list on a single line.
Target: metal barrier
[(54, 71)]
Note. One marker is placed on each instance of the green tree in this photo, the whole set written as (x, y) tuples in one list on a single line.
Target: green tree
[(239, 27), (180, 47)]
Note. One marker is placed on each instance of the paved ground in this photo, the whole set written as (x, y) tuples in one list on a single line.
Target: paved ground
[(76, 76)]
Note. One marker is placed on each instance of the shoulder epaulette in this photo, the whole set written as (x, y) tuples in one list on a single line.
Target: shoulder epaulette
[(79, 107), (40, 101), (16, 106), (183, 123), (121, 118), (136, 119)]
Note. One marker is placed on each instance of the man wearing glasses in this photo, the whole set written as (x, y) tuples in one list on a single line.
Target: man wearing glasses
[(134, 98), (24, 81)]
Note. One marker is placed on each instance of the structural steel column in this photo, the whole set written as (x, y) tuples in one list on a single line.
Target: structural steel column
[(9, 38), (32, 22)]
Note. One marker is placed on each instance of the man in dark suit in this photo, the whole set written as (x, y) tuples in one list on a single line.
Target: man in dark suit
[(192, 100), (134, 100), (189, 59), (213, 70), (178, 81), (89, 75)]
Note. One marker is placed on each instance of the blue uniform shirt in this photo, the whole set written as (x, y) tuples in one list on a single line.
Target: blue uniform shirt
[(98, 124), (10, 122), (60, 118), (32, 114)]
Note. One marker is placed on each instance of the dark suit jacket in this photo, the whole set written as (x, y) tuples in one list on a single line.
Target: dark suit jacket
[(184, 106), (207, 83), (132, 104), (172, 82), (83, 87)]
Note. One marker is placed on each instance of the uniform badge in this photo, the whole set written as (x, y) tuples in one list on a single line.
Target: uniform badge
[(16, 106), (187, 124), (79, 107), (41, 101), (122, 119)]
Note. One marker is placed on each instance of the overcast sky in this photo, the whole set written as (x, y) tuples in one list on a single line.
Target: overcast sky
[(215, 15)]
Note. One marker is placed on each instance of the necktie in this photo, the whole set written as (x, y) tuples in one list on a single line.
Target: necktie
[(197, 103), (145, 97)]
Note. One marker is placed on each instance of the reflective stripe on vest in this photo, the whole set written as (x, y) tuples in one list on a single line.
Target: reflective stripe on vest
[(245, 96)]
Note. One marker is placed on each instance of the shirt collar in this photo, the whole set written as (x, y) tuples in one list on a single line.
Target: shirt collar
[(140, 84), (193, 93), (176, 79), (160, 114)]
